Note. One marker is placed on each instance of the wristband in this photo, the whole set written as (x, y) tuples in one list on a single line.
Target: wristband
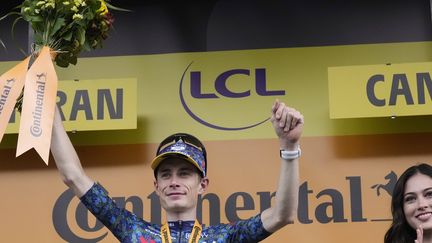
[(289, 155)]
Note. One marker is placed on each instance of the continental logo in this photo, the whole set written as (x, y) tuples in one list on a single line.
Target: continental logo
[(352, 201), (232, 95), (36, 129)]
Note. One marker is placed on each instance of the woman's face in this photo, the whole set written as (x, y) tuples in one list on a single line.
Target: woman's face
[(417, 201)]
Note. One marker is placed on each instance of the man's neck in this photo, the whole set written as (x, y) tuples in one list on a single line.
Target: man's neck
[(183, 216)]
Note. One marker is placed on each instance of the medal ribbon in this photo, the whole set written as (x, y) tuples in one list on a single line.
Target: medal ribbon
[(194, 237)]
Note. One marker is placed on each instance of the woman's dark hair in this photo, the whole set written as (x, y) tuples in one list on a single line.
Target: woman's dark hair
[(400, 231)]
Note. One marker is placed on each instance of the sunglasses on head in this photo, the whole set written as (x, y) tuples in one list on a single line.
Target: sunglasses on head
[(186, 138)]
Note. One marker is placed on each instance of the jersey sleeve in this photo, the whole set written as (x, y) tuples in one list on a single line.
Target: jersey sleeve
[(243, 231), (250, 230), (118, 220)]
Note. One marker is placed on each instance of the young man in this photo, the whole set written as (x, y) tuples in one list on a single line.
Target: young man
[(180, 176)]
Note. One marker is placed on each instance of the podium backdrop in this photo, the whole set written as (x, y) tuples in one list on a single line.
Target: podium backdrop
[(213, 69), (348, 166)]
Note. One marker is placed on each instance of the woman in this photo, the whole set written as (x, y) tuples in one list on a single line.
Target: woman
[(412, 207)]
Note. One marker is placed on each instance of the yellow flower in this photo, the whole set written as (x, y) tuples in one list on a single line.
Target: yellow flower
[(40, 3), (75, 9), (52, 5), (103, 8), (77, 16), (66, 3), (27, 9), (78, 2)]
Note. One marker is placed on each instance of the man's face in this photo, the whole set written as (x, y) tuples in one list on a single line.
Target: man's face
[(178, 185), (418, 201)]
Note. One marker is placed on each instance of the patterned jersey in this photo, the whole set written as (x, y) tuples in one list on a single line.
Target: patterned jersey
[(128, 227)]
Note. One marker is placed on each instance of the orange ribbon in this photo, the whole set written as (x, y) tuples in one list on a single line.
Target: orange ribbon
[(40, 94), (193, 238), (11, 84)]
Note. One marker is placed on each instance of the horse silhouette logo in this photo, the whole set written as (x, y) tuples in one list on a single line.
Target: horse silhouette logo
[(388, 187)]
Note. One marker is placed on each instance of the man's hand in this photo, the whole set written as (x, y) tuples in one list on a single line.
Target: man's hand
[(288, 125)]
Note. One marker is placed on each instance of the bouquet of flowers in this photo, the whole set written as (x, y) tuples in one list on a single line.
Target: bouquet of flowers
[(61, 30), (67, 26)]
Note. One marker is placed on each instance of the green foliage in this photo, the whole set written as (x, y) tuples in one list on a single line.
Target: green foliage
[(66, 26)]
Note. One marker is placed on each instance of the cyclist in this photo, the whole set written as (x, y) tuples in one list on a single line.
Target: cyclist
[(180, 169)]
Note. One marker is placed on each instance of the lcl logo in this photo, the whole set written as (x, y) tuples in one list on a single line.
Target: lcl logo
[(223, 91)]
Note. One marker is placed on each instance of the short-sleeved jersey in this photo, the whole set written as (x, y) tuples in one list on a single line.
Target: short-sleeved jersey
[(128, 227)]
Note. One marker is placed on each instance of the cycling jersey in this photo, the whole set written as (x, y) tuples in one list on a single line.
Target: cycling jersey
[(128, 227)]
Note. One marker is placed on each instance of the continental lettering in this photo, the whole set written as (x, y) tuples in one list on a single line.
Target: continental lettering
[(335, 203), (303, 208), (5, 93), (232, 208), (36, 129), (356, 199), (239, 205), (399, 88), (155, 208), (213, 202)]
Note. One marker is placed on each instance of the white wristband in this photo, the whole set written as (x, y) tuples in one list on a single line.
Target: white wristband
[(289, 155)]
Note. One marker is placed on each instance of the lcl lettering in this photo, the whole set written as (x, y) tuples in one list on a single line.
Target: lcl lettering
[(400, 88), (223, 90)]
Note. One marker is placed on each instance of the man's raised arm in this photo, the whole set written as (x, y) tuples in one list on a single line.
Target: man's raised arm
[(67, 160), (288, 125)]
